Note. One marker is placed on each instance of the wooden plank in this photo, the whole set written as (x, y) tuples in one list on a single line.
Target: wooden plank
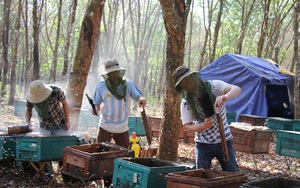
[(146, 126)]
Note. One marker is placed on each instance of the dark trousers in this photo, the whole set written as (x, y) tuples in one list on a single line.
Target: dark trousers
[(121, 139), (206, 152)]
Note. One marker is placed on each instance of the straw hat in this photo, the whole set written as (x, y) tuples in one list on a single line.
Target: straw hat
[(180, 73), (38, 92), (112, 66)]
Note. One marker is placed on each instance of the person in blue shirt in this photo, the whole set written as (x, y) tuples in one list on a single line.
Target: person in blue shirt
[(112, 100)]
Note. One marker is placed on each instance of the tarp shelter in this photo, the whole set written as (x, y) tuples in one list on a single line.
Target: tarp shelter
[(265, 89)]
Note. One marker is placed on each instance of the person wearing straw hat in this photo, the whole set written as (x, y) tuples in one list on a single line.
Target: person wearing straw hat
[(112, 99), (200, 100), (52, 108)]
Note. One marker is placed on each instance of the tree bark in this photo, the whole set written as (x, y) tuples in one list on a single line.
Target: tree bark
[(207, 28), (244, 23), (78, 76), (5, 44), (71, 21), (15, 56), (296, 59), (37, 13), (28, 61), (175, 17), (55, 53), (264, 27), (216, 32)]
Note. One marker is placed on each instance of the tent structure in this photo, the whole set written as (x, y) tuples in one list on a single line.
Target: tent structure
[(266, 91)]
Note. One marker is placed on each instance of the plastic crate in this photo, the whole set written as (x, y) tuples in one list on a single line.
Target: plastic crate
[(205, 178), (136, 125), (296, 125), (288, 143), (143, 172), (278, 123), (43, 148), (231, 117), (92, 161), (274, 182), (253, 119)]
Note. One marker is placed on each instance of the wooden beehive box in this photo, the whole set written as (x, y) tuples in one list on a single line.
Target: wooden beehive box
[(288, 143), (204, 178), (250, 139), (92, 161), (43, 148), (154, 123), (136, 125), (279, 123), (8, 147), (143, 172), (252, 119), (296, 125), (188, 137)]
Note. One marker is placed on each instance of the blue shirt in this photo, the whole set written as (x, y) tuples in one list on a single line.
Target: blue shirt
[(114, 113)]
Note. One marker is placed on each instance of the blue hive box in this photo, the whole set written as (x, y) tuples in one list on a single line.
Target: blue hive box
[(136, 125), (231, 117), (296, 125), (43, 148), (20, 109), (86, 118), (278, 123), (288, 143), (143, 172), (8, 147)]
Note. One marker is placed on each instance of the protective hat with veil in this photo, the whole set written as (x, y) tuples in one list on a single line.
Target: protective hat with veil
[(118, 91), (112, 66), (202, 99)]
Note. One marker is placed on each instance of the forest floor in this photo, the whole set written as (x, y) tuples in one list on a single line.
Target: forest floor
[(255, 167)]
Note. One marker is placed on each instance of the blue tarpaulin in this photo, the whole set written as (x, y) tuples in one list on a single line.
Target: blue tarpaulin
[(252, 74)]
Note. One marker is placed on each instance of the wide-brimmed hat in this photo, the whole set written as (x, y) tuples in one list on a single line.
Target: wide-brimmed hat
[(38, 92), (180, 73), (112, 66)]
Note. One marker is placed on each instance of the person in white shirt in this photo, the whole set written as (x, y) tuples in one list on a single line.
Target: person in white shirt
[(111, 99), (200, 100)]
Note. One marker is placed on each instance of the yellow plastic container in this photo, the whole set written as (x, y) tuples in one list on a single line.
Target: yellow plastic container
[(134, 145)]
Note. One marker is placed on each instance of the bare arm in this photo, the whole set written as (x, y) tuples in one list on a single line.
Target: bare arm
[(28, 115), (66, 110), (190, 127), (230, 91)]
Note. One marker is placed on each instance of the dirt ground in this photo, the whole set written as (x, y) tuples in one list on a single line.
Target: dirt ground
[(255, 167)]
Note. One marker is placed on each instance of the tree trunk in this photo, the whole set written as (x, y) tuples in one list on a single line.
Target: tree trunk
[(244, 23), (207, 33), (28, 62), (216, 32), (175, 18), (85, 49), (71, 21), (264, 27), (37, 13), (14, 56), (55, 53), (4, 39), (296, 59)]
